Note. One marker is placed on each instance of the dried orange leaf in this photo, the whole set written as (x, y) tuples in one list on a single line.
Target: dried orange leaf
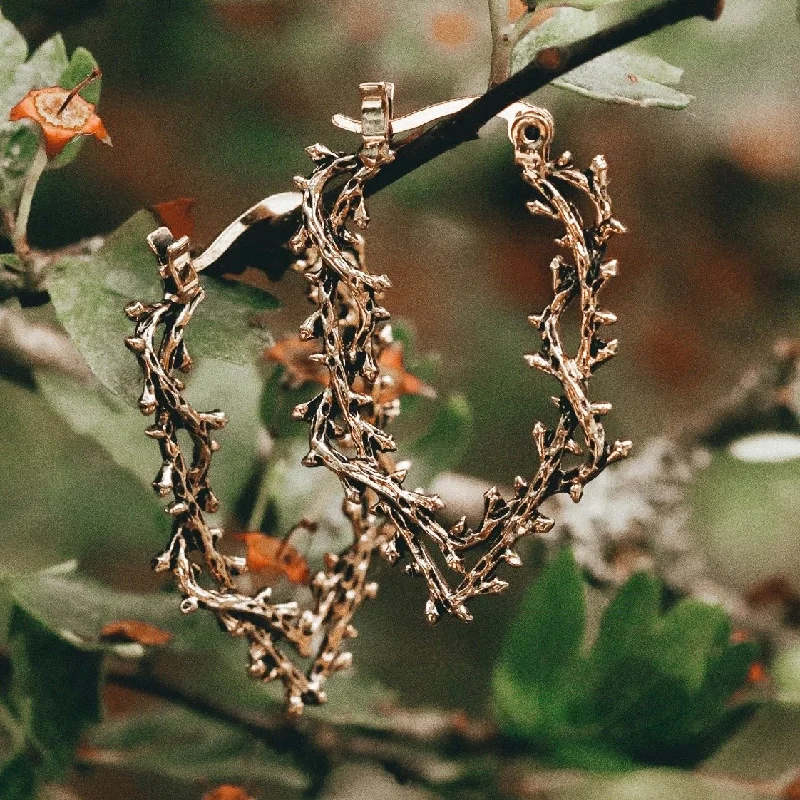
[(62, 114), (227, 792), (452, 29), (295, 355), (131, 630), (176, 215), (271, 555)]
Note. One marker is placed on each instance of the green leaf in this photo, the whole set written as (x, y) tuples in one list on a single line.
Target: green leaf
[(692, 634), (80, 65), (18, 146), (444, 444), (186, 746), (540, 649), (75, 609), (89, 294), (628, 623), (626, 75), (54, 691), (43, 68), (654, 689), (13, 52), (119, 429), (18, 779)]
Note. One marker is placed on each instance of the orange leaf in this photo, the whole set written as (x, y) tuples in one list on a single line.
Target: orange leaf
[(792, 791), (294, 354), (176, 215), (452, 29), (131, 630), (227, 792), (271, 555), (757, 673), (62, 115)]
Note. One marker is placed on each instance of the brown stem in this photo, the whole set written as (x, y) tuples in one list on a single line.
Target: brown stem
[(249, 243)]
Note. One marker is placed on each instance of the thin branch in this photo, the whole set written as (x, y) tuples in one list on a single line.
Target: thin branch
[(504, 36), (34, 344), (261, 227), (548, 65)]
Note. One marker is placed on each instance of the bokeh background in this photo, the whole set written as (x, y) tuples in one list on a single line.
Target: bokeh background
[(216, 101)]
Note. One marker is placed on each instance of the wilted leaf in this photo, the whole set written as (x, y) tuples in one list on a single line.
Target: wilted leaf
[(90, 292), (294, 355), (62, 115), (131, 630), (269, 555), (176, 215), (626, 75), (227, 792)]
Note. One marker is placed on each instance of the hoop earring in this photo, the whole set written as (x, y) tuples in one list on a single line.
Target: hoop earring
[(348, 417)]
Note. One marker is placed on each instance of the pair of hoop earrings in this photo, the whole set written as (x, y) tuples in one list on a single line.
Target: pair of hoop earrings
[(349, 416)]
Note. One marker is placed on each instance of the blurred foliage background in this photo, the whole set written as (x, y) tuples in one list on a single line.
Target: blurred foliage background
[(216, 101)]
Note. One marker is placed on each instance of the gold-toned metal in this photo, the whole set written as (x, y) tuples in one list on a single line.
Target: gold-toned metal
[(348, 417)]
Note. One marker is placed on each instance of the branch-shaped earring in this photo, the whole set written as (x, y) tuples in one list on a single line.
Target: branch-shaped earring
[(348, 417), (352, 326)]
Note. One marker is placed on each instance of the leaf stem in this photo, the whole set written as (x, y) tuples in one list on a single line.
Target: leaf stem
[(20, 237)]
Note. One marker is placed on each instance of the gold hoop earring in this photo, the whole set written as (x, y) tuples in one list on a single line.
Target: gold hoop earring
[(348, 417)]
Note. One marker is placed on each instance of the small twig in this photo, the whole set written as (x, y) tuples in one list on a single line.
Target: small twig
[(20, 230), (254, 233), (94, 75), (504, 36)]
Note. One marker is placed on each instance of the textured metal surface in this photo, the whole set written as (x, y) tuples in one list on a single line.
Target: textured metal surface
[(348, 417)]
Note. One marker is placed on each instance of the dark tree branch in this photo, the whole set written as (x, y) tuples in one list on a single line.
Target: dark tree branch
[(248, 236)]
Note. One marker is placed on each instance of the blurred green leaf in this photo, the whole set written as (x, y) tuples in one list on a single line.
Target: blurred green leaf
[(627, 75), (119, 429), (18, 146), (13, 52), (54, 694), (444, 444), (540, 650), (18, 779), (183, 745), (745, 516), (90, 292), (75, 609), (653, 689)]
